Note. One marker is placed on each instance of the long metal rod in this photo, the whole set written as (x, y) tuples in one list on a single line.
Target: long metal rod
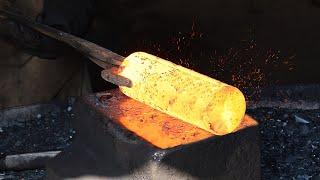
[(99, 55), (27, 161)]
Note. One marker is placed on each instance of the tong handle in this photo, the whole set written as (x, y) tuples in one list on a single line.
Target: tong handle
[(102, 57), (87, 48)]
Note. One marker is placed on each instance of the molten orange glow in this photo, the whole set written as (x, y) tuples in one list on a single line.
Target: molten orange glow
[(182, 93), (155, 127)]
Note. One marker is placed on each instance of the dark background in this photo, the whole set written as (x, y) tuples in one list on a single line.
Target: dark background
[(247, 43)]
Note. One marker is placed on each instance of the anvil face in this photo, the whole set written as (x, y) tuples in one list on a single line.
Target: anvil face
[(153, 126), (120, 138)]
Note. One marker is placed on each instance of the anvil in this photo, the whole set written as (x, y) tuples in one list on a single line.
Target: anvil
[(111, 143)]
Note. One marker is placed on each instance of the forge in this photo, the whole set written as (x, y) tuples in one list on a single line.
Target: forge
[(120, 138), (164, 121)]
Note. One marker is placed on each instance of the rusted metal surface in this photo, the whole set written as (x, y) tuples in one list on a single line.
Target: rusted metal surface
[(111, 75), (157, 128)]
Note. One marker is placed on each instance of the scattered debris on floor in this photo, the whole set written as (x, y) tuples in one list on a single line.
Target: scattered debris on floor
[(290, 143), (36, 131), (49, 132), (37, 174)]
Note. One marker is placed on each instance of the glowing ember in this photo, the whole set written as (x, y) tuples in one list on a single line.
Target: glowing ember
[(182, 93), (245, 65)]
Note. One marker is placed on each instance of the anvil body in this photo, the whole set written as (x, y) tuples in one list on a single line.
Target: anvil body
[(105, 149)]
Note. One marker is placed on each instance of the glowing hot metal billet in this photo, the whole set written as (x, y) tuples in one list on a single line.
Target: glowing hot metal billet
[(182, 93)]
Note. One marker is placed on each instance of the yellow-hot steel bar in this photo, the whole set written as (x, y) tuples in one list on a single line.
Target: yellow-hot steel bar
[(182, 93)]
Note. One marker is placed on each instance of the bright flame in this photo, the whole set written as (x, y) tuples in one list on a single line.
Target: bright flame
[(182, 93)]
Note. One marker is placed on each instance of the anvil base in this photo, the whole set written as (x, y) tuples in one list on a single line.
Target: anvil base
[(103, 149)]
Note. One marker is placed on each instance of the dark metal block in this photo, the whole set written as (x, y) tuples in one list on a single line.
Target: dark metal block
[(104, 149)]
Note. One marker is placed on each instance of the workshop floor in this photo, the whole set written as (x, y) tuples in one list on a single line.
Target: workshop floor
[(44, 132), (290, 141)]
